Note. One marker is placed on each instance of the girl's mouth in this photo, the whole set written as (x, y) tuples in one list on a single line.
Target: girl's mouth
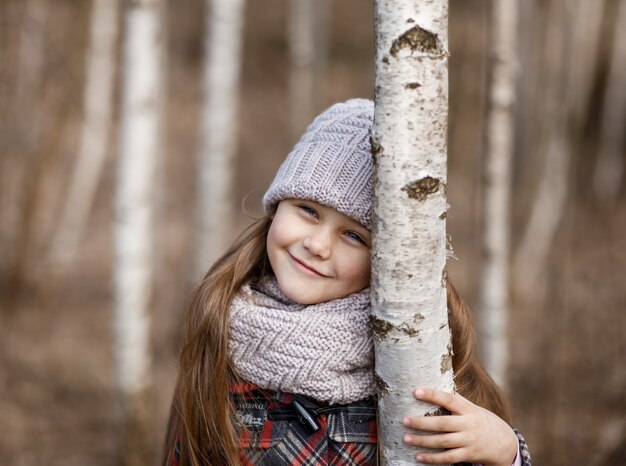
[(306, 268)]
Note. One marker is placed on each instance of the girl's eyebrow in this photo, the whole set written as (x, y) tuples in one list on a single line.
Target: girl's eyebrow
[(353, 224), (361, 229)]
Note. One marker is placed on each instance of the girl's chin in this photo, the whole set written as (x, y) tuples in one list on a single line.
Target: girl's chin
[(302, 295)]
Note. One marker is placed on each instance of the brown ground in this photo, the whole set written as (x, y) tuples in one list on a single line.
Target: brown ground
[(57, 395)]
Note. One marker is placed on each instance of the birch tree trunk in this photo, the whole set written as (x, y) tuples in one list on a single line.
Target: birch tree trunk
[(219, 130), (410, 319), (499, 136), (93, 145), (139, 148), (609, 171)]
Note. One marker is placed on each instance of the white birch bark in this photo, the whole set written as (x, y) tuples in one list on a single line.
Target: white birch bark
[(93, 144), (133, 229), (219, 129), (609, 171), (499, 136), (410, 319)]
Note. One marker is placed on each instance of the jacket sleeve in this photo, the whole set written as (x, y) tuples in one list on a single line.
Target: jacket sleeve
[(523, 452)]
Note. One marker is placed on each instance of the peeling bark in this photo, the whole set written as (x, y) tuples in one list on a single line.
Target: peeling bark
[(422, 188), (417, 39)]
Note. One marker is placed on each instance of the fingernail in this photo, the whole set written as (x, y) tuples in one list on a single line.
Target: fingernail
[(419, 393), (406, 422), (419, 458), (407, 438)]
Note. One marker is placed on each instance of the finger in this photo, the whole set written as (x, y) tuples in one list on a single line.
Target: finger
[(454, 456), (434, 423), (439, 441), (453, 402)]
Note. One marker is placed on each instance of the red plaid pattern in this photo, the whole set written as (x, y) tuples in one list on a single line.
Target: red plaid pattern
[(343, 439)]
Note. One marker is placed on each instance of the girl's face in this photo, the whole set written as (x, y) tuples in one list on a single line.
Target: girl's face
[(317, 253)]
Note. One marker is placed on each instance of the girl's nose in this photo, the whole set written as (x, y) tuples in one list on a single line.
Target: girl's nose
[(318, 244)]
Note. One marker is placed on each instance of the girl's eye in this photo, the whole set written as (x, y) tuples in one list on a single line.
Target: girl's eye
[(308, 210), (356, 237)]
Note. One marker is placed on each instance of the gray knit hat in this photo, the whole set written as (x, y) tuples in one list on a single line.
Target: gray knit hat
[(332, 163)]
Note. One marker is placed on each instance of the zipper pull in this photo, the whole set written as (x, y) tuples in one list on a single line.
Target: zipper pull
[(305, 417)]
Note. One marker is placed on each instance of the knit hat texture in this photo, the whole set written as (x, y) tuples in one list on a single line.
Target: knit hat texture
[(332, 163)]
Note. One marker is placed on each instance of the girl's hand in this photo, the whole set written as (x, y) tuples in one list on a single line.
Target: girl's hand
[(469, 434)]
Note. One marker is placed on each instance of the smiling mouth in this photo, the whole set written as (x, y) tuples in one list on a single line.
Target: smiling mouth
[(307, 268)]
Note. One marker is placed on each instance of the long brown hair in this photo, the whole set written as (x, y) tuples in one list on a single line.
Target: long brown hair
[(471, 379), (201, 419)]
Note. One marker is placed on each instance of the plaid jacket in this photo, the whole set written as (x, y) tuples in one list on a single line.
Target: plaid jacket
[(275, 434), (282, 429)]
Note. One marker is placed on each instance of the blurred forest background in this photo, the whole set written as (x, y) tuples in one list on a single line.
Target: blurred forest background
[(567, 379)]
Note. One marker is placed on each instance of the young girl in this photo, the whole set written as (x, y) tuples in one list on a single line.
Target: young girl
[(277, 364)]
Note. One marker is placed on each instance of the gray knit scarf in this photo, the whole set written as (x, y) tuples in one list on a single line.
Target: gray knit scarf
[(324, 351)]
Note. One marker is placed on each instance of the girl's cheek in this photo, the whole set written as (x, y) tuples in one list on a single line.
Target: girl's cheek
[(361, 271)]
